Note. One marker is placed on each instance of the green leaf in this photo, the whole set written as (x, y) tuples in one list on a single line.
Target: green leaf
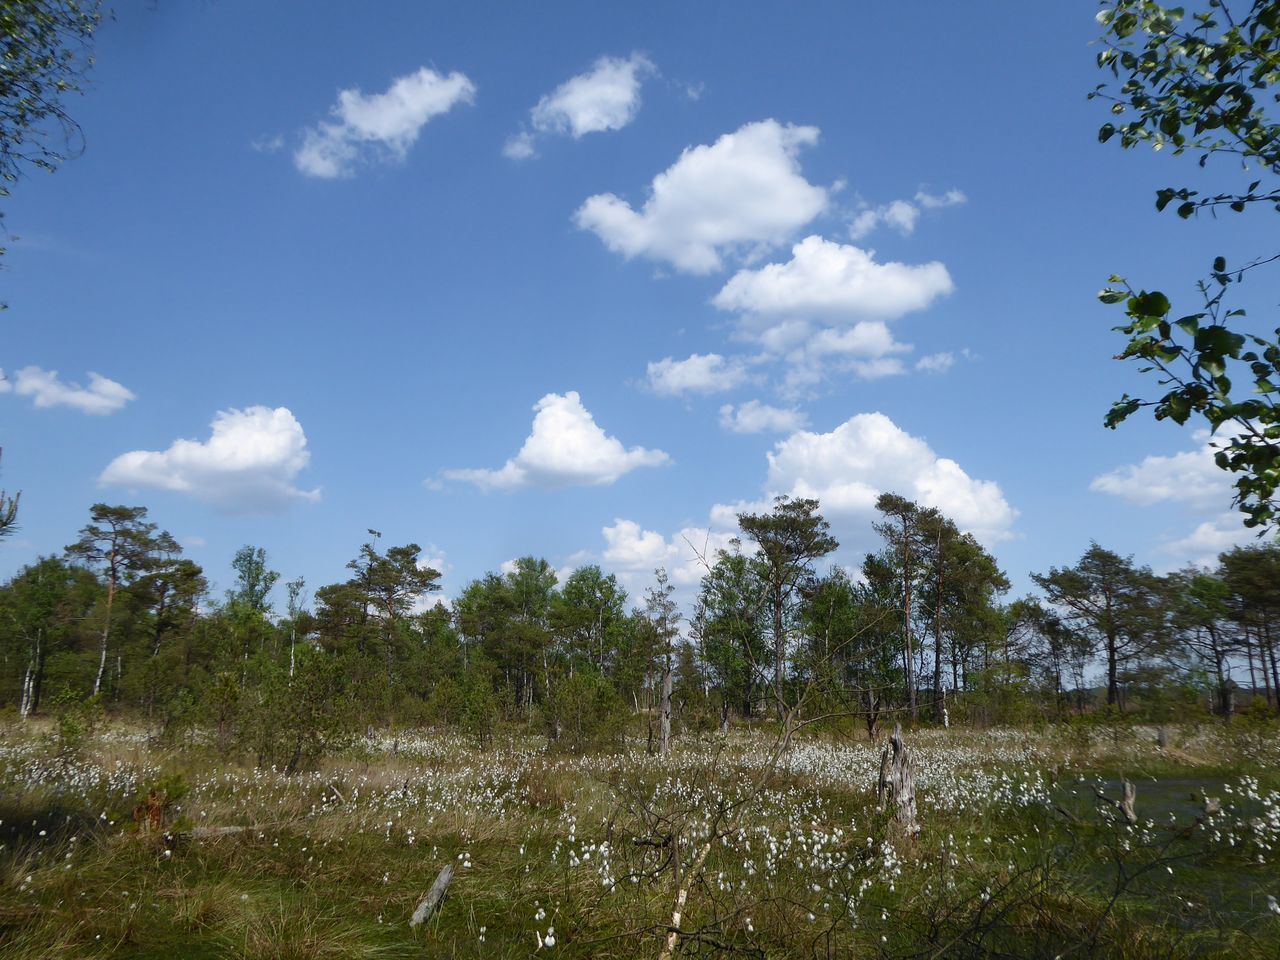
[(1176, 407), (1121, 410), (1153, 304)]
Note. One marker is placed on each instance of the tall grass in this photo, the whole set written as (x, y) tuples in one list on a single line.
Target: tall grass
[(581, 856)]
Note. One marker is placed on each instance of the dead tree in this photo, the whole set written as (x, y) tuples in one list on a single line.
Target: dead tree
[(1125, 804), (897, 783)]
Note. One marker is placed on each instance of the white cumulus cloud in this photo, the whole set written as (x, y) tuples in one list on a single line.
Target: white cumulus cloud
[(607, 97), (845, 470), (381, 126), (565, 448), (1192, 480), (1210, 538), (250, 462), (741, 194), (833, 283), (901, 215), (520, 146), (931, 201), (698, 373), (936, 362), (633, 553), (1189, 477), (47, 389), (848, 468), (756, 417), (829, 306)]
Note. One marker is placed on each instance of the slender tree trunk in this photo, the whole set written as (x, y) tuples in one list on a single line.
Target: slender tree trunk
[(1275, 673), (106, 632), (906, 620), (1262, 664), (1248, 655), (1223, 695), (28, 684), (937, 632), (779, 643), (1113, 684), (648, 711), (665, 742)]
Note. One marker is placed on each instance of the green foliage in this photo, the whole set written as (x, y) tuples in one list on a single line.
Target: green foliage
[(732, 627), (254, 581), (292, 722), (1114, 605), (44, 48), (1205, 84), (1195, 359), (78, 719), (586, 711), (517, 649), (44, 55), (8, 512), (789, 539), (479, 706)]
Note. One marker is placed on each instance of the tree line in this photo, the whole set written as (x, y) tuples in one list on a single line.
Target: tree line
[(922, 630)]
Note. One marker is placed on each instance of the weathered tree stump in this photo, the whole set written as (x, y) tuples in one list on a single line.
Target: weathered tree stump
[(1126, 804), (431, 902), (897, 782)]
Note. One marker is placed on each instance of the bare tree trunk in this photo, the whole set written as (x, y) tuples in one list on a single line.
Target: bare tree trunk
[(906, 620), (682, 896), (1262, 663), (938, 706), (1248, 653), (24, 710), (665, 730), (1275, 673), (779, 643), (106, 632)]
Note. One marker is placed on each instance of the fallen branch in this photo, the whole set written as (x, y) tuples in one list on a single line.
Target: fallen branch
[(201, 833), (434, 896)]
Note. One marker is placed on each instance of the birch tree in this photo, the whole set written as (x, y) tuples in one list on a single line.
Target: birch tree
[(664, 622)]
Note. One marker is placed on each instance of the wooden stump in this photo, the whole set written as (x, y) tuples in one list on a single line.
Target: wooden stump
[(1126, 804), (897, 782)]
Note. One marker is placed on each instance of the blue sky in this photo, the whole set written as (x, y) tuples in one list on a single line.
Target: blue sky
[(583, 280)]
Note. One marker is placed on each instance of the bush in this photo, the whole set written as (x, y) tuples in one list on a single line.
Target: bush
[(292, 722), (585, 710), (479, 706), (78, 718)]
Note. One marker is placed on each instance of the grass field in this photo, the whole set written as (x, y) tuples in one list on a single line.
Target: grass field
[(585, 856)]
